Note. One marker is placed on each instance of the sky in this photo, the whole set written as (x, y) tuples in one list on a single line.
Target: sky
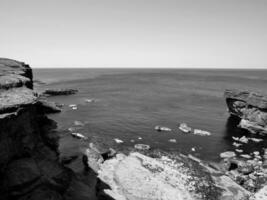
[(135, 33)]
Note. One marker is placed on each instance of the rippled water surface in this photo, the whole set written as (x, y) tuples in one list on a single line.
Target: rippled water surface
[(130, 103)]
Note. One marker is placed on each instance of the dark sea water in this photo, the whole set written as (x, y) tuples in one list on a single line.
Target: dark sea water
[(130, 103)]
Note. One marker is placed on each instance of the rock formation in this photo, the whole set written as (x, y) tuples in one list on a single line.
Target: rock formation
[(56, 92), (159, 175), (250, 107), (29, 163)]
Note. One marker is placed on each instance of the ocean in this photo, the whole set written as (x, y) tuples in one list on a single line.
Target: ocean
[(129, 103)]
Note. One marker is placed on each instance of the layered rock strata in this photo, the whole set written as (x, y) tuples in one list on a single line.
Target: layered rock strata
[(29, 163), (250, 107)]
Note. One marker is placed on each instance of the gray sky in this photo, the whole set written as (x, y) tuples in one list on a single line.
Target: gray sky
[(135, 33)]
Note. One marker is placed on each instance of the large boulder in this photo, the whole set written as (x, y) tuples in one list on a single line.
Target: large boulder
[(163, 177), (250, 107)]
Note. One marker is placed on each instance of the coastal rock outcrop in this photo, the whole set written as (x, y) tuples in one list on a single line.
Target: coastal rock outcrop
[(159, 175), (250, 107), (29, 161)]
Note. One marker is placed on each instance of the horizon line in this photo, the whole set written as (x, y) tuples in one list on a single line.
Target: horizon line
[(248, 68)]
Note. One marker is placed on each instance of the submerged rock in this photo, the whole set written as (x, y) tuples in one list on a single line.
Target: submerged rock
[(89, 100), (250, 107), (78, 123), (162, 128), (172, 140), (55, 92), (142, 146)]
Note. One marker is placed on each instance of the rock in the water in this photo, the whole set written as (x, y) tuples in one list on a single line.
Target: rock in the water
[(55, 92), (245, 156), (162, 128), (89, 100), (239, 150), (142, 146), (243, 139), (118, 140), (79, 136), (236, 144), (250, 107), (256, 140), (201, 132), (227, 154), (73, 106), (172, 140), (235, 138), (78, 123), (185, 128)]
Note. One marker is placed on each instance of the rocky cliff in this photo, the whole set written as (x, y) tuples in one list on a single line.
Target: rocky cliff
[(29, 164), (30, 167), (250, 107)]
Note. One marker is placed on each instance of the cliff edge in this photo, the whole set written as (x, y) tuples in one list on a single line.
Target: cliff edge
[(29, 161)]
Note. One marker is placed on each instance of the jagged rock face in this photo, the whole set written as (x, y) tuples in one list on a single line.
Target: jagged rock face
[(250, 107), (14, 74), (29, 167)]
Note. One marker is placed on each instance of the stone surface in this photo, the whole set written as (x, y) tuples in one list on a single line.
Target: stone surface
[(227, 154), (261, 194), (161, 177), (250, 107)]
